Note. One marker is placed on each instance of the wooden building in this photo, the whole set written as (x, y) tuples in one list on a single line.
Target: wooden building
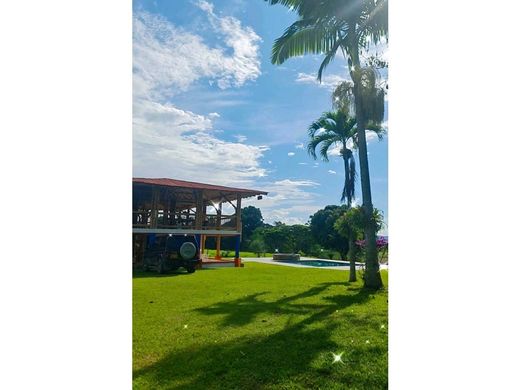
[(169, 206)]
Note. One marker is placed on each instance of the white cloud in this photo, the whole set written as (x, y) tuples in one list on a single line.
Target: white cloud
[(169, 141), (289, 201), (240, 138), (302, 163), (243, 41), (168, 59), (290, 154), (331, 172), (180, 144), (327, 81), (205, 6), (299, 146)]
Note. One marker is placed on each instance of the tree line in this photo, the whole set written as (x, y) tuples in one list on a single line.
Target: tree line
[(333, 229)]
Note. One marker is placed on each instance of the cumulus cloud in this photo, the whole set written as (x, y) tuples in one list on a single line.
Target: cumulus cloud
[(327, 81), (168, 59), (289, 201), (241, 138), (243, 41), (170, 141)]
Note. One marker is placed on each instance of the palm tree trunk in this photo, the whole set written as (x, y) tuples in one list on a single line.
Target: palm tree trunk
[(345, 185), (372, 276), (352, 259)]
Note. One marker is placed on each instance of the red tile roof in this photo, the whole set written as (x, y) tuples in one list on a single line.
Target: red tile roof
[(190, 184)]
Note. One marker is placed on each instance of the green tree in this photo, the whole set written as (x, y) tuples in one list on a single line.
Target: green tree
[(351, 225), (257, 246), (285, 238), (336, 128), (324, 27), (251, 218), (322, 229)]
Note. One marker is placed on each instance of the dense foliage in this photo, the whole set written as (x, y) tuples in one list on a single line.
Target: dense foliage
[(285, 238), (251, 219), (322, 228)]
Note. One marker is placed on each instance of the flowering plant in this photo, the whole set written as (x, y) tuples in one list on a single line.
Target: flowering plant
[(381, 242)]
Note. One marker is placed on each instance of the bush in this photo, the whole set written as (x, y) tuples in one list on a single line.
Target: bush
[(257, 246)]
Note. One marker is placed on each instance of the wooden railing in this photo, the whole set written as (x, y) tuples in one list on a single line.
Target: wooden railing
[(182, 220)]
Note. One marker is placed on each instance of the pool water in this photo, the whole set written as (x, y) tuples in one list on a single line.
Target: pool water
[(318, 263)]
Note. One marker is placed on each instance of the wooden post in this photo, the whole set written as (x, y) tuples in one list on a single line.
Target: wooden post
[(218, 256), (199, 205), (238, 213), (204, 212), (237, 251), (155, 201), (173, 207), (217, 239)]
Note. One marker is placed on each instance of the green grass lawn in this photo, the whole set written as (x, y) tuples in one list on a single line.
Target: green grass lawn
[(258, 327)]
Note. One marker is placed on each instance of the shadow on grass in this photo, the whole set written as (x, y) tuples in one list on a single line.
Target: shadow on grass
[(299, 356), (244, 310)]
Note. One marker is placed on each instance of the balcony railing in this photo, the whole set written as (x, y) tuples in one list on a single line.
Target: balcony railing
[(182, 220)]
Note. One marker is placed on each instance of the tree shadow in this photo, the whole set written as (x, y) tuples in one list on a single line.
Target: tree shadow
[(244, 310), (298, 356)]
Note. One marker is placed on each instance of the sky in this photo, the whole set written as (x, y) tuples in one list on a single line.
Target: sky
[(209, 106)]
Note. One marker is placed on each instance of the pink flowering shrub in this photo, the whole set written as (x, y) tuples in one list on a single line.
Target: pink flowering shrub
[(381, 243)]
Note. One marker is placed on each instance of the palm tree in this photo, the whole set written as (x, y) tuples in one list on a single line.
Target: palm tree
[(332, 129), (324, 27)]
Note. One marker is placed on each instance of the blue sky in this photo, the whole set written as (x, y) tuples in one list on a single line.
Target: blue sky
[(209, 106)]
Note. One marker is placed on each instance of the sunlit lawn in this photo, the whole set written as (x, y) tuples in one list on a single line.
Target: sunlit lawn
[(258, 327)]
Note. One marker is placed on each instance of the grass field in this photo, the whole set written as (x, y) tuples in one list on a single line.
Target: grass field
[(258, 327)]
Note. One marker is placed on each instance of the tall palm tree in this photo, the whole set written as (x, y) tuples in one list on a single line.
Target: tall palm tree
[(333, 129), (326, 27)]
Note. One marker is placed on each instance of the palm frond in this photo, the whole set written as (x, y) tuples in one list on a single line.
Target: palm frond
[(302, 37), (329, 56), (376, 128), (373, 20), (316, 140), (326, 121), (325, 146)]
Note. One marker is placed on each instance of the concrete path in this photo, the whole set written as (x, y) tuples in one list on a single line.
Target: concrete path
[(269, 260)]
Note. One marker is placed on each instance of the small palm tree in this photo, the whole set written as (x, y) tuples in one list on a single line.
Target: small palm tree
[(336, 128)]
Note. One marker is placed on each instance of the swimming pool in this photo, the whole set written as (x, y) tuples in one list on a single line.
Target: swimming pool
[(317, 263)]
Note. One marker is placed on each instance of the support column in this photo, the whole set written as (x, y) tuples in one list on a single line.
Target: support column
[(238, 213), (155, 203), (217, 238), (237, 251), (202, 245), (199, 209), (217, 256)]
